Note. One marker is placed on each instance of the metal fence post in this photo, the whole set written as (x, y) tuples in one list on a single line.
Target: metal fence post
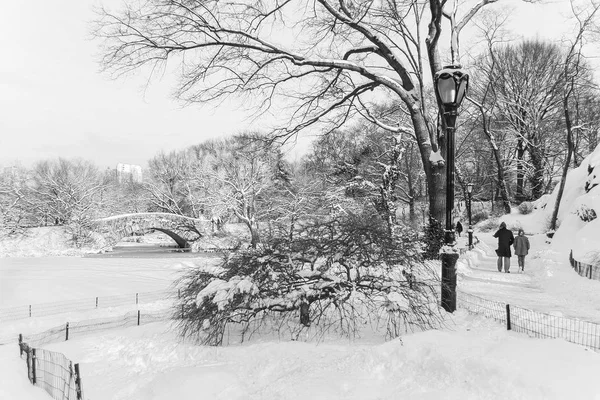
[(138, 317), (20, 345), (30, 311), (96, 301), (67, 332), (78, 388), (508, 326), (28, 359), (33, 358)]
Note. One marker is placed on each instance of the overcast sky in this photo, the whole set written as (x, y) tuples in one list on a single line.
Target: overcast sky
[(55, 102)]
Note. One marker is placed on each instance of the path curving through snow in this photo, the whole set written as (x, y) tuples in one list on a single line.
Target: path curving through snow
[(548, 285)]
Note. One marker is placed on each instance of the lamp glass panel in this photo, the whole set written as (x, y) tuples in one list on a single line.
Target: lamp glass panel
[(469, 188), (462, 88), (446, 90)]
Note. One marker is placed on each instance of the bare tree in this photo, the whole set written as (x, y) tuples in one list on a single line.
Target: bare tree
[(236, 174), (338, 58), (63, 190), (15, 215), (573, 69), (484, 99), (168, 184), (525, 80)]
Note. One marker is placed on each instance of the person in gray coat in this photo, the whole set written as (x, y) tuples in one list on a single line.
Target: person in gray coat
[(505, 240), (521, 248)]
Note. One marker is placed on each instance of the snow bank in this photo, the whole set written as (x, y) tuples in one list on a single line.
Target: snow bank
[(39, 242), (578, 227), (474, 359), (579, 230)]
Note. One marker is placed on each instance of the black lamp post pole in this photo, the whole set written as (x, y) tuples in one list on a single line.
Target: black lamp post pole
[(451, 84), (449, 256), (470, 226)]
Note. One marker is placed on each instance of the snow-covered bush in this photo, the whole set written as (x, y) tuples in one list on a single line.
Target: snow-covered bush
[(489, 225), (335, 275), (479, 216), (585, 213), (526, 207)]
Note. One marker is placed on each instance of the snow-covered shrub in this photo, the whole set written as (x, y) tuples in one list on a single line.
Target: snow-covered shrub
[(489, 225), (525, 207), (479, 216), (334, 275), (80, 231), (585, 213)]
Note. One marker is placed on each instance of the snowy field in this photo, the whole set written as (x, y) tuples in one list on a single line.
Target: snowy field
[(469, 358), (472, 358)]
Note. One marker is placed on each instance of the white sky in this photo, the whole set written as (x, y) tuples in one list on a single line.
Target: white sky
[(54, 101)]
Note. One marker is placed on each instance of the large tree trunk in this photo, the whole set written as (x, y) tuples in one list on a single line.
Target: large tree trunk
[(537, 162), (565, 170), (502, 181), (520, 196), (435, 176), (434, 169), (502, 186), (387, 189)]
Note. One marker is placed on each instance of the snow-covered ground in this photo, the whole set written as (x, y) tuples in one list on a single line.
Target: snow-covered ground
[(470, 358)]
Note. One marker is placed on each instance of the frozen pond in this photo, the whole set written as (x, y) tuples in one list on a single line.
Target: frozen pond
[(30, 280)]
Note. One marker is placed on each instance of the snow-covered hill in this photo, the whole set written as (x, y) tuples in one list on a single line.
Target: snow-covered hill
[(579, 227)]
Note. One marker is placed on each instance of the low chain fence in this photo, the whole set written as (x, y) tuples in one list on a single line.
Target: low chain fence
[(91, 303), (53, 371), (587, 270), (534, 323)]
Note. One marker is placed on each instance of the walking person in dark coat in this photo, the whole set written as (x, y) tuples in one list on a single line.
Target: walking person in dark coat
[(521, 248), (505, 240), (459, 228)]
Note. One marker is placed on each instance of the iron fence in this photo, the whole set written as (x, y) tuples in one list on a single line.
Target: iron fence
[(534, 323), (587, 270)]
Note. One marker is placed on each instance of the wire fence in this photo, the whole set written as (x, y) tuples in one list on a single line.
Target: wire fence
[(91, 303), (534, 323), (72, 330), (53, 371), (587, 270)]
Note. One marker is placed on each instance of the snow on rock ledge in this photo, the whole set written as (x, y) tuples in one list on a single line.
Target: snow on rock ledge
[(579, 229)]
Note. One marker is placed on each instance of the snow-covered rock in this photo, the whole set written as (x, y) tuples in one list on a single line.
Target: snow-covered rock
[(579, 229)]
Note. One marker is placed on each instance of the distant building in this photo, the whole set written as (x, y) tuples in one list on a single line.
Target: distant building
[(127, 172)]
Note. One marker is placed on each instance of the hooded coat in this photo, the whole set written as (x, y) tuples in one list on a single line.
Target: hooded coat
[(521, 245), (505, 240)]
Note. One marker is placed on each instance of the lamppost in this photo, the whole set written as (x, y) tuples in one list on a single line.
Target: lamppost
[(470, 231), (451, 84)]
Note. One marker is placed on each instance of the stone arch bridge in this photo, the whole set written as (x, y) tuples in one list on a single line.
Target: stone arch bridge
[(183, 230)]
